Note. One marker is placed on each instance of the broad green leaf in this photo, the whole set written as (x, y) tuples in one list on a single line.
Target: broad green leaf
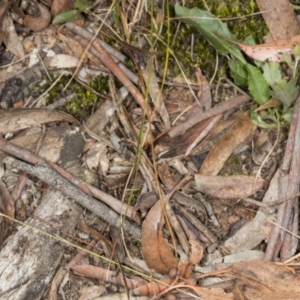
[(66, 16), (207, 24), (286, 91), (238, 72), (272, 72), (258, 85), (81, 5)]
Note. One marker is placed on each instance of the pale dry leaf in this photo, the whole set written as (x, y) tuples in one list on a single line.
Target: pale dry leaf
[(62, 61), (90, 292), (17, 119), (228, 187), (271, 51), (96, 156)]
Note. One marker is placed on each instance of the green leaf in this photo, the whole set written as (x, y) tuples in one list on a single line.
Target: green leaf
[(287, 58), (297, 50), (81, 5), (66, 16), (207, 24), (238, 72), (286, 92), (258, 85), (272, 72), (259, 121)]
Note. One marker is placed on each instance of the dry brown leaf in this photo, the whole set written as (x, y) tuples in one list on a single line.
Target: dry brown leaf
[(267, 280), (168, 178), (59, 6), (17, 119), (10, 37), (196, 250), (271, 103), (40, 23), (240, 133), (271, 51), (228, 187), (155, 248)]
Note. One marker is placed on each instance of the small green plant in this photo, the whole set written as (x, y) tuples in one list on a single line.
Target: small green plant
[(265, 80)]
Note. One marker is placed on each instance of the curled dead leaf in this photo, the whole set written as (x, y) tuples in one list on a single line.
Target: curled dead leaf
[(155, 248)]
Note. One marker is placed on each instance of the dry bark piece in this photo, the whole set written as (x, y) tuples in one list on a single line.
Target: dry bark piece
[(240, 133), (29, 259), (155, 248), (228, 187)]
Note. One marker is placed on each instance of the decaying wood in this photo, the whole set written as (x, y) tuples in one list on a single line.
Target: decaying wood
[(29, 258)]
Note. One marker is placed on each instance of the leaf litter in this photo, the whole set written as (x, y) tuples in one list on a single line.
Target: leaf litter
[(130, 150)]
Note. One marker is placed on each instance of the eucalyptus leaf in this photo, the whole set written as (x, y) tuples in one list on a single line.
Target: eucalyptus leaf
[(286, 91), (238, 72), (258, 85), (208, 24), (66, 16), (272, 72)]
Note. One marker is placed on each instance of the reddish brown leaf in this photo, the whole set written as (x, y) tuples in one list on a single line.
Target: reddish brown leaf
[(155, 248), (38, 24), (59, 6)]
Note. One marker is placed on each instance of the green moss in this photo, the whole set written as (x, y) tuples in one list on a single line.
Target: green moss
[(86, 100)]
